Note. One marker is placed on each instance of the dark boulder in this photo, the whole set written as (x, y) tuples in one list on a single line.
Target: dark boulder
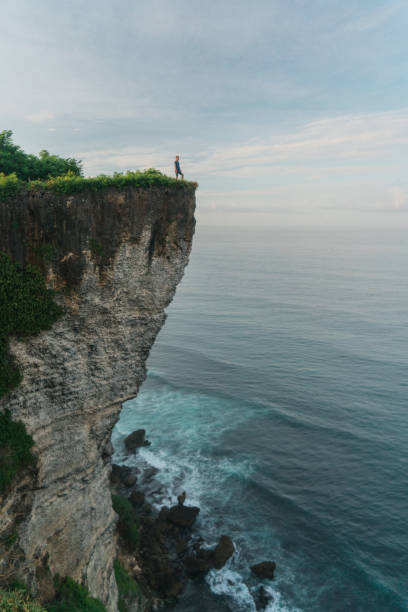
[(205, 553), (146, 509), (170, 584), (137, 499), (196, 566), (122, 474), (149, 474), (135, 440), (183, 516), (206, 559), (262, 598), (163, 513), (264, 570), (181, 547), (223, 551), (129, 479)]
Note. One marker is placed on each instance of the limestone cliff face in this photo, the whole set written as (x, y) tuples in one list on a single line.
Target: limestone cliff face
[(116, 257)]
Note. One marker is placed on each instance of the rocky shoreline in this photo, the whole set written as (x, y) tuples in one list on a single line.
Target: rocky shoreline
[(169, 552)]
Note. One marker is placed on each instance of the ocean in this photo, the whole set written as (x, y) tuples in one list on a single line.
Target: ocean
[(276, 397)]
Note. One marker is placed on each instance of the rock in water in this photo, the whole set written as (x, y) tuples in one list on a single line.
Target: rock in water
[(264, 570), (129, 479), (223, 551), (149, 474), (262, 598), (135, 440), (183, 516), (181, 498), (207, 558)]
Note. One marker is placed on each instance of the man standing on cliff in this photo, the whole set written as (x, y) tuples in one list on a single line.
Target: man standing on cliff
[(177, 168)]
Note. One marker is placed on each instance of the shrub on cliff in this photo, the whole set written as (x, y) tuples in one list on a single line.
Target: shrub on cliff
[(30, 167), (18, 601), (72, 597), (10, 184), (15, 449), (127, 587), (26, 307), (128, 525)]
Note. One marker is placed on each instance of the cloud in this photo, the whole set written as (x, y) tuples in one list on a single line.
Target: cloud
[(348, 139), (40, 117)]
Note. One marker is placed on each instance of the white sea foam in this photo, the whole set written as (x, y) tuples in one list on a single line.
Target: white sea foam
[(230, 584), (186, 468)]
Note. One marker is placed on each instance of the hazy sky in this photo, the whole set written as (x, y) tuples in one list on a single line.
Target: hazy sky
[(287, 106)]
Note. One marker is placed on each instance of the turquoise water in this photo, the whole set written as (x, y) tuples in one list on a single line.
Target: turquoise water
[(277, 398)]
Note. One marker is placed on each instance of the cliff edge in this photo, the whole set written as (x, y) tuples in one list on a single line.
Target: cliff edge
[(114, 258)]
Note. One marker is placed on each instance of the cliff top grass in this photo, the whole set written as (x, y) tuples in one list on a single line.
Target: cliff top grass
[(21, 172), (68, 184)]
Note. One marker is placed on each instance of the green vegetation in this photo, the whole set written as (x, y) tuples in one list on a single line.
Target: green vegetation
[(9, 540), (95, 247), (72, 597), (10, 376), (128, 524), (47, 251), (15, 449), (70, 183), (18, 601), (122, 605), (127, 587), (26, 307), (13, 161), (10, 185), (19, 172)]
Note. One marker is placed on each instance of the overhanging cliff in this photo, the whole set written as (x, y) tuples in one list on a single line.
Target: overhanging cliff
[(115, 258)]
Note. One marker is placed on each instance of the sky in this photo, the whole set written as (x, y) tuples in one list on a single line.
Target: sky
[(281, 109)]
